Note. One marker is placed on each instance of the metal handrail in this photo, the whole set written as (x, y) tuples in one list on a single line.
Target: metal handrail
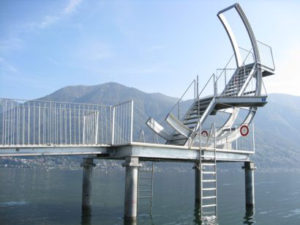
[(271, 51), (213, 75), (180, 99)]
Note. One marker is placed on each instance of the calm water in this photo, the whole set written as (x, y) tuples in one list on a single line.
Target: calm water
[(37, 196)]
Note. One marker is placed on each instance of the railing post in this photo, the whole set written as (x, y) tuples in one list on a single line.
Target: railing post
[(83, 130), (197, 87), (225, 78), (178, 110), (113, 125), (253, 137), (215, 85), (131, 123), (96, 126)]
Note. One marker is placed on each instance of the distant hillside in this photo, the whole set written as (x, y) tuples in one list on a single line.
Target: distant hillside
[(278, 132), (154, 104)]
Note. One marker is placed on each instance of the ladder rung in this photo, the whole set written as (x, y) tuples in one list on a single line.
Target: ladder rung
[(145, 196), (209, 189), (209, 197), (208, 164), (207, 206), (206, 158), (210, 172), (208, 181)]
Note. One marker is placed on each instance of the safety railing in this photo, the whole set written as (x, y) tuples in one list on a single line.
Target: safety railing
[(266, 55), (244, 141), (122, 123), (48, 123), (185, 100)]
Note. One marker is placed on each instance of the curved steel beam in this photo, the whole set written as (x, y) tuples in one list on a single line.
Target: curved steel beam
[(234, 44)]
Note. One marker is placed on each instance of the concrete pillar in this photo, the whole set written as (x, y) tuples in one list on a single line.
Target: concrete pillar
[(87, 165), (197, 184), (131, 184), (249, 184)]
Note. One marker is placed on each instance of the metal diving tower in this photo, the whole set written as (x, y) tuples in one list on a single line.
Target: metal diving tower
[(242, 91), (216, 127)]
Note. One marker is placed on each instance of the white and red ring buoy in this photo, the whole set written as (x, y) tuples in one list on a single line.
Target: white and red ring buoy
[(204, 133), (244, 130)]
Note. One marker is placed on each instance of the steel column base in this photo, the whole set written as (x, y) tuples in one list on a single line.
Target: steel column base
[(249, 184), (87, 165), (197, 184), (131, 184)]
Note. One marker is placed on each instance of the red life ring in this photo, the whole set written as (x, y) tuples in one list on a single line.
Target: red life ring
[(244, 130), (204, 133)]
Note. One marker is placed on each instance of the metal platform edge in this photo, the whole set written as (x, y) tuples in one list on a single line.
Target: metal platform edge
[(145, 151)]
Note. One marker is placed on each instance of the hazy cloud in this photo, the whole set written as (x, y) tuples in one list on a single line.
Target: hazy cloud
[(48, 20), (287, 76), (72, 5), (52, 19), (6, 66)]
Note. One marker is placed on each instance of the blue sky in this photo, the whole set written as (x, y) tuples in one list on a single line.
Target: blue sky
[(155, 46)]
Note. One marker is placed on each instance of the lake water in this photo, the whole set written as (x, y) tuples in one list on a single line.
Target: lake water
[(38, 196)]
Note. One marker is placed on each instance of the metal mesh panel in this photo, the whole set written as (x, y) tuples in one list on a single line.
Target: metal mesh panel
[(26, 123)]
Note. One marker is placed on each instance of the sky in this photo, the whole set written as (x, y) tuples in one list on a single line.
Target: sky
[(155, 46)]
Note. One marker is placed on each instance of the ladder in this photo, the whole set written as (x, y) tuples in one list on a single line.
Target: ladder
[(145, 188), (208, 169)]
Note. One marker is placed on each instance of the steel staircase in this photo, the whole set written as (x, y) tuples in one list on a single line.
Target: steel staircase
[(145, 188), (209, 105), (238, 80)]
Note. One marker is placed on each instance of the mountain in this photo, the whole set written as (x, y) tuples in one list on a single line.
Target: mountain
[(278, 132), (277, 125), (113, 93)]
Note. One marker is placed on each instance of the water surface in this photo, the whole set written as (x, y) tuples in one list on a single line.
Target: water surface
[(38, 196)]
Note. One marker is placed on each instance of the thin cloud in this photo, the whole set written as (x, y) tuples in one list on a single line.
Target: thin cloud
[(287, 77), (10, 44), (71, 7), (7, 67), (49, 20)]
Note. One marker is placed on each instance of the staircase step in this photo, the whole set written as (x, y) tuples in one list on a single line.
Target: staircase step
[(249, 92), (192, 122)]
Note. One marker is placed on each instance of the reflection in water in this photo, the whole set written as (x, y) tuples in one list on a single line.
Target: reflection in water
[(86, 215), (197, 214), (249, 218), (130, 222), (86, 220), (141, 220), (200, 221)]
